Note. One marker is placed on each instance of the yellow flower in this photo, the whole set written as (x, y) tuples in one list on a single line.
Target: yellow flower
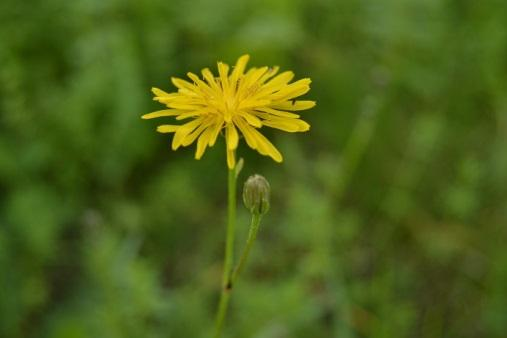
[(246, 101)]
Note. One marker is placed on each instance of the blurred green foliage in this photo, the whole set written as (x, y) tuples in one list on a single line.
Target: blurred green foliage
[(388, 218)]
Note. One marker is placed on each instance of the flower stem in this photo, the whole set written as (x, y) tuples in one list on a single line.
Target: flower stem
[(252, 235), (229, 253)]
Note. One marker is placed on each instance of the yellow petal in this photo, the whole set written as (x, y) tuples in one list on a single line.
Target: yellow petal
[(279, 81), (231, 136), (208, 76), (193, 113), (251, 119), (250, 79), (202, 143), (273, 86), (223, 71), (294, 105), (193, 77), (246, 130), (290, 95), (167, 128), (159, 113), (270, 73), (288, 125), (249, 104), (183, 131), (168, 99), (203, 86), (266, 148), (215, 131), (231, 161), (239, 68), (292, 90), (160, 93), (184, 106), (190, 93), (271, 111), (190, 138), (257, 74), (182, 84)]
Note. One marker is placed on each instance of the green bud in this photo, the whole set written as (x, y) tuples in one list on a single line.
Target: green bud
[(256, 194)]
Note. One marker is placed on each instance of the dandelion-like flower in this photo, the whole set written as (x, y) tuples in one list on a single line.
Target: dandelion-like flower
[(233, 101)]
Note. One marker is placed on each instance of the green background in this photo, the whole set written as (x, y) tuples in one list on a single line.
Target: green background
[(388, 218)]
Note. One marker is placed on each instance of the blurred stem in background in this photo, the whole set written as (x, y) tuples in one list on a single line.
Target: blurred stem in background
[(357, 144), (353, 152)]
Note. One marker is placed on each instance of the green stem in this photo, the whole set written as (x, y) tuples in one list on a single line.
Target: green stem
[(252, 235), (229, 253)]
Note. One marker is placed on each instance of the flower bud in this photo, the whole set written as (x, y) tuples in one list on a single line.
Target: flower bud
[(256, 194)]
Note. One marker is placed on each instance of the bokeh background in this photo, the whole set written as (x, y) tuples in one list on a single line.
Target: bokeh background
[(388, 218)]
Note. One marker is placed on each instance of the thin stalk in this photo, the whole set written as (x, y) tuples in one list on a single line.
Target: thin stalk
[(252, 235), (229, 254)]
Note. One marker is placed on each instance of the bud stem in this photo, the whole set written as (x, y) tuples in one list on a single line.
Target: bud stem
[(252, 235)]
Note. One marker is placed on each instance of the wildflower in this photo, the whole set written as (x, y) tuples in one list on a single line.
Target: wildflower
[(233, 101)]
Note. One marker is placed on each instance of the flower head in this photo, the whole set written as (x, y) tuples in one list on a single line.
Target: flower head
[(235, 100)]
